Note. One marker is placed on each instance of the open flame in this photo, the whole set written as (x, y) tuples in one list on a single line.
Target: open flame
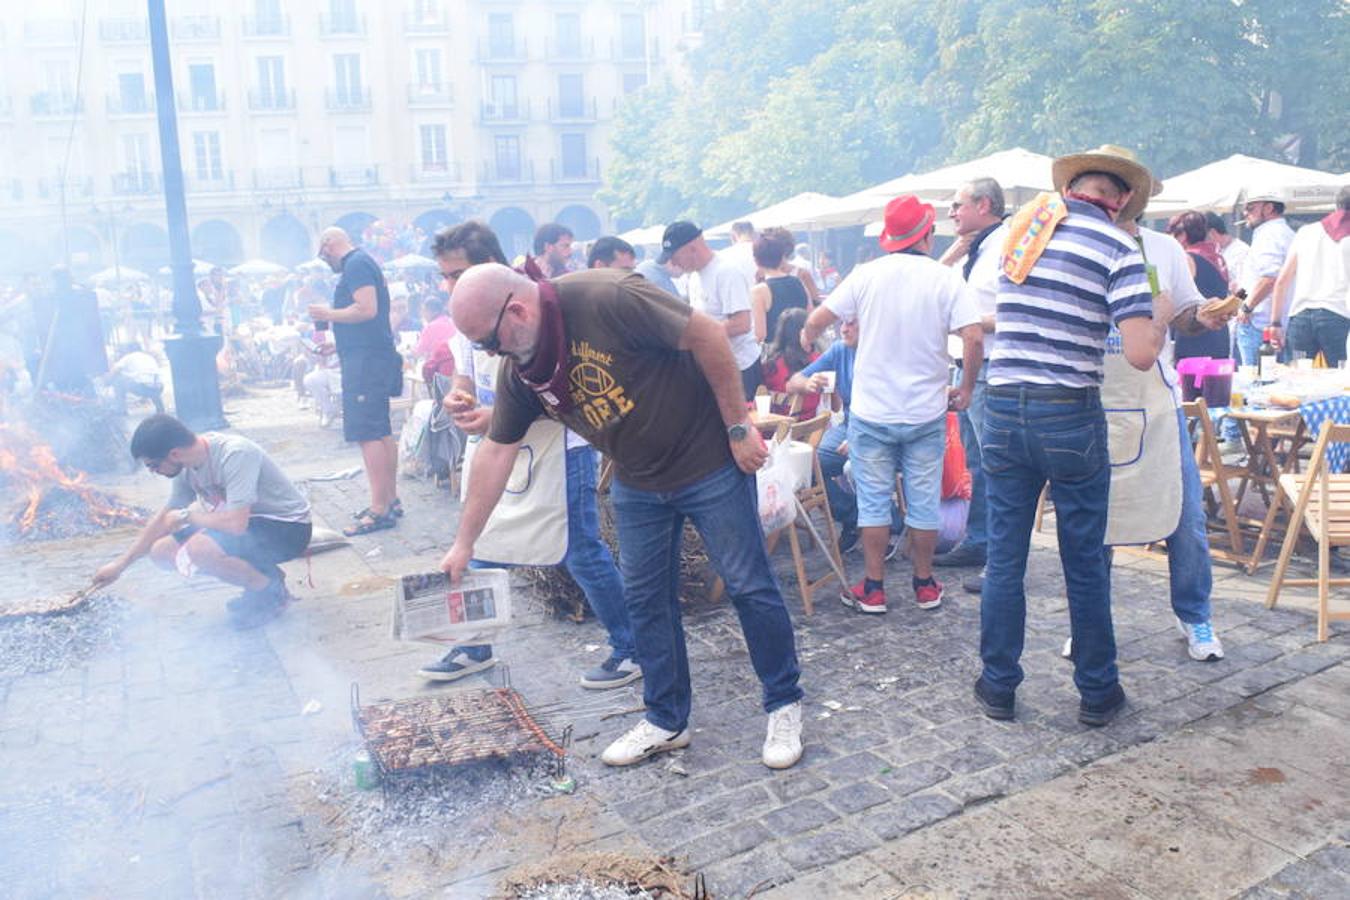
[(55, 501)]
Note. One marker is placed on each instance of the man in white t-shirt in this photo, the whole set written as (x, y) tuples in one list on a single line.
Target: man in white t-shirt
[(741, 253), (905, 303), (1271, 237), (1318, 269), (720, 289)]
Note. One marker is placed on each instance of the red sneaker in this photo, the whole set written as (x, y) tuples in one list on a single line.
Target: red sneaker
[(929, 596), (865, 601)]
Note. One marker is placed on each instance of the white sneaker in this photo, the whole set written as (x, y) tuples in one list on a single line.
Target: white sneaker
[(1201, 641), (783, 743), (641, 741), (1067, 652)]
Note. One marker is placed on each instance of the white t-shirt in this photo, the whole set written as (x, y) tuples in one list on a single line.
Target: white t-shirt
[(983, 281), (1166, 254), (1270, 245), (721, 290), (906, 305), (481, 369), (1235, 257), (139, 367), (1323, 277), (742, 255)]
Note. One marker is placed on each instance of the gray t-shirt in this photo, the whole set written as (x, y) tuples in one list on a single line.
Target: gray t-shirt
[(238, 473)]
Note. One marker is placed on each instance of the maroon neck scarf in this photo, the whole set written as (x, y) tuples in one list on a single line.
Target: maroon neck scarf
[(1337, 224), (1209, 252), (547, 373), (1111, 209)]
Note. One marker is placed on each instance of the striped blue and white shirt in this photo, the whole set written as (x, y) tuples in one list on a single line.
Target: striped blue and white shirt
[(1052, 327)]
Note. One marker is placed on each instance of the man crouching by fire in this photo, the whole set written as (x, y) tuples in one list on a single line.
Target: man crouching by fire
[(232, 514)]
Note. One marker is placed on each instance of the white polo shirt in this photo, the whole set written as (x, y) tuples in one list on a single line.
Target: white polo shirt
[(983, 281), (906, 305), (721, 290), (1322, 280), (1270, 245)]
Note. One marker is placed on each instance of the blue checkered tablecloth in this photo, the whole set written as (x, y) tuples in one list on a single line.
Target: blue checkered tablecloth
[(1333, 409)]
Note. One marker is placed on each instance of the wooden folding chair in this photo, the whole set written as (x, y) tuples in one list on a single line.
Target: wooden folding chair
[(1321, 502), (1215, 479), (812, 498)]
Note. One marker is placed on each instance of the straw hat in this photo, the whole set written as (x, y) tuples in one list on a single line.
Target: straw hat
[(1112, 159)]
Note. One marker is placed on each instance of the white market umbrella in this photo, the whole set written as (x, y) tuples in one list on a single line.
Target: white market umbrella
[(645, 237), (1021, 173), (794, 213), (1220, 186), (258, 267), (200, 268), (412, 262), (117, 275), (313, 265)]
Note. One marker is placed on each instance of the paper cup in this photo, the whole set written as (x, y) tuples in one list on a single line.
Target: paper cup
[(828, 377), (762, 403)]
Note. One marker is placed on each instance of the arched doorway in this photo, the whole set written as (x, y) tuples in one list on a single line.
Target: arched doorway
[(583, 221), (355, 224), (430, 222), (515, 229), (218, 242), (286, 241), (145, 247), (86, 250)]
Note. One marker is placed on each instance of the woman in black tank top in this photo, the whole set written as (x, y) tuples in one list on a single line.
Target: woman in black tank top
[(781, 289)]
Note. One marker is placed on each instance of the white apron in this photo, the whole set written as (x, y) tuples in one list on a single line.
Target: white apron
[(1145, 450)]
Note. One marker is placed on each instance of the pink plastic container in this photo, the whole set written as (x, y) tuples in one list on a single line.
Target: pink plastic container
[(1216, 382), (1191, 371)]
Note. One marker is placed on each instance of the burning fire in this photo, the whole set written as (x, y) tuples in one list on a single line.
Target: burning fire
[(56, 502)]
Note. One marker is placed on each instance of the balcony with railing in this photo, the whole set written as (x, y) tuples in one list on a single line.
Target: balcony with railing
[(278, 178), (52, 103), (584, 171), (574, 112), (271, 101), (497, 172), (425, 18), (438, 95), (196, 28), (435, 172), (622, 51), (75, 187), (198, 102), (135, 183), (131, 104), (353, 176), (123, 30), (51, 32), (578, 50), (495, 113), (348, 99), (342, 25), (500, 50), (267, 26), (210, 182)]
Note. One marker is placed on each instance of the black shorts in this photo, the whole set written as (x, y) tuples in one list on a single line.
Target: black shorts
[(263, 544), (367, 385)]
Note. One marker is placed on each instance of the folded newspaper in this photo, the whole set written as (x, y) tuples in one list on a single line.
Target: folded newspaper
[(427, 608)]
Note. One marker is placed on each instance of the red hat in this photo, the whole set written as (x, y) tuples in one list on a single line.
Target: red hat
[(908, 219)]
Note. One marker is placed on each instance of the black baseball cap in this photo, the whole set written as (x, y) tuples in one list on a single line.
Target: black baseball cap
[(676, 236)]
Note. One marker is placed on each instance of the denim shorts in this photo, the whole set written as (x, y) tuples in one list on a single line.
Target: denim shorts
[(915, 451)]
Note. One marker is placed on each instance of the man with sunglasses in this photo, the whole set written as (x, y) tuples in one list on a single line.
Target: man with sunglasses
[(654, 384), (232, 514)]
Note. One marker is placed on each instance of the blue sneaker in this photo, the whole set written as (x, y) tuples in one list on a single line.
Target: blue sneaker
[(457, 664), (614, 672), (1201, 641)]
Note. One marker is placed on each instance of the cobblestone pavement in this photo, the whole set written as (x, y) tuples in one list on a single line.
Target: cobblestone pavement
[(180, 763)]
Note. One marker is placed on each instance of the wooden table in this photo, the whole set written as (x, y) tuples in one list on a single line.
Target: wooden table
[(770, 423), (1273, 438)]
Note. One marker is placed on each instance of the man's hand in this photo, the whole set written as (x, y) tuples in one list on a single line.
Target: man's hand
[(750, 451), (808, 342), (1211, 321), (456, 560), (106, 575), (958, 398), (319, 312), (1244, 317), (326, 349), (818, 382), (1276, 335), (474, 421)]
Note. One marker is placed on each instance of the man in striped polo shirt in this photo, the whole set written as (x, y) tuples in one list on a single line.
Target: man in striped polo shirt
[(1057, 300)]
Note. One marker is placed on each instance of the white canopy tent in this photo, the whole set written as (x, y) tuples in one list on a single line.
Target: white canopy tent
[(117, 275), (649, 236), (411, 262), (200, 269), (258, 268), (1221, 186), (795, 214), (1020, 173)]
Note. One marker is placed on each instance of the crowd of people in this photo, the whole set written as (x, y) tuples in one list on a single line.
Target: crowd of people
[(1028, 328)]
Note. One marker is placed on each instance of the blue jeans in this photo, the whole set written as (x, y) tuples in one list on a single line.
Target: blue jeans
[(844, 503), (1188, 560), (972, 426), (879, 451), (1035, 434), (722, 507), (1249, 342), (588, 559)]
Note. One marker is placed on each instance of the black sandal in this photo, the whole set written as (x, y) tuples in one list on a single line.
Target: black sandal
[(370, 523), (396, 508)]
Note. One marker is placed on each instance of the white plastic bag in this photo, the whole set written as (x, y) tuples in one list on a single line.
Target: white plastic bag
[(776, 482)]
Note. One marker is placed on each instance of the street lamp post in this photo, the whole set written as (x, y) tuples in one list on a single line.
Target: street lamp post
[(192, 354)]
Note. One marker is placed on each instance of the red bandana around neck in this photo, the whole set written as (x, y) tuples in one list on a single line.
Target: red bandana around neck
[(1111, 209), (547, 373), (1337, 224)]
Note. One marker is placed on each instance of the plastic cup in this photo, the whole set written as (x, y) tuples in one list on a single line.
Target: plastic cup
[(762, 404), (829, 378)]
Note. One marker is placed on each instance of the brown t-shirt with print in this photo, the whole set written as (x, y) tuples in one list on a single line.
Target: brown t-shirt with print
[(636, 395)]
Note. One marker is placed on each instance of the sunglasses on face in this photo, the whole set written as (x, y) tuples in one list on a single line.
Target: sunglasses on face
[(492, 342)]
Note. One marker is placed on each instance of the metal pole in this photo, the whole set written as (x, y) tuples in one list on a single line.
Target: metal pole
[(192, 355)]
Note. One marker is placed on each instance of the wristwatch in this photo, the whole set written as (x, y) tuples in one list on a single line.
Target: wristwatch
[(1247, 310), (737, 432), (184, 516)]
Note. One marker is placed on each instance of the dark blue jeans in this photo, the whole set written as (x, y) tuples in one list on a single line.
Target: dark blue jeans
[(588, 559), (972, 426), (1035, 434), (722, 507)]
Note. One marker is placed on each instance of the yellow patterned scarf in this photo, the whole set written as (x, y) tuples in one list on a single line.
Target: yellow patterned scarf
[(1029, 232)]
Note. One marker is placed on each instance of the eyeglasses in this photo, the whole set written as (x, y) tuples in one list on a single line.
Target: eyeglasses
[(153, 464), (493, 341), (454, 276), (957, 204)]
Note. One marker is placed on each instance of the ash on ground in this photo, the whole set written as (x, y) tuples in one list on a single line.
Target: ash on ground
[(431, 811), (34, 644), (584, 889)]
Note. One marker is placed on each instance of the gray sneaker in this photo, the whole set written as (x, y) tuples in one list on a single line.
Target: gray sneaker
[(455, 665), (614, 672), (974, 584)]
